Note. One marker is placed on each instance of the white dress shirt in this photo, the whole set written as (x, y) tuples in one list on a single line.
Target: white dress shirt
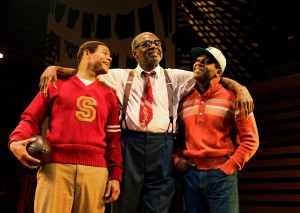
[(182, 82)]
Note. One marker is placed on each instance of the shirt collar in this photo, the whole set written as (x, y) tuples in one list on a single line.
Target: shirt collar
[(214, 86), (214, 81), (157, 69)]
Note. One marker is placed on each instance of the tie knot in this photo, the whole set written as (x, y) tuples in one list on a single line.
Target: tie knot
[(147, 74)]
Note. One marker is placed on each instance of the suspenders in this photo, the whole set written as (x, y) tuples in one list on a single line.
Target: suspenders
[(126, 97), (127, 91), (170, 98)]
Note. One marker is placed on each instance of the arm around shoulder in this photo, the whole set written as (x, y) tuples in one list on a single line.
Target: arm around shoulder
[(244, 100)]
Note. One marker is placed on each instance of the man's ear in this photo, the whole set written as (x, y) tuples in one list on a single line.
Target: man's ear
[(134, 53), (86, 53), (219, 73)]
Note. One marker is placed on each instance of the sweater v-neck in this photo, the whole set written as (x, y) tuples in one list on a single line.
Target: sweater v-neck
[(79, 82)]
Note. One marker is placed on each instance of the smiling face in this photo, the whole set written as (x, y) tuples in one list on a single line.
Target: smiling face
[(205, 69), (100, 60), (93, 59), (147, 51)]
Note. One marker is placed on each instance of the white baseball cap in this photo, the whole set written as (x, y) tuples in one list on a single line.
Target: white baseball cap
[(212, 51)]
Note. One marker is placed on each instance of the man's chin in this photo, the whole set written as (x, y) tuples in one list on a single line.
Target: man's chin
[(102, 72), (196, 75), (155, 59)]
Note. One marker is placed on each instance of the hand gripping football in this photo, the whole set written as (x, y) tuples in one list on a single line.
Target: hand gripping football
[(40, 149)]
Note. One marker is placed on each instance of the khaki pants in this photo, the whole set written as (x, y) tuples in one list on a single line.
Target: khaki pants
[(63, 188)]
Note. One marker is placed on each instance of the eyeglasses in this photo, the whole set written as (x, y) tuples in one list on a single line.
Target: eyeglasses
[(148, 43)]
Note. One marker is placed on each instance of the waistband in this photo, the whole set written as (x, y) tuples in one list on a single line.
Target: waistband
[(146, 134)]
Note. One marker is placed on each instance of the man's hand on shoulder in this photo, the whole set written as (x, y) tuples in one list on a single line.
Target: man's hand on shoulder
[(51, 74), (48, 75), (244, 101)]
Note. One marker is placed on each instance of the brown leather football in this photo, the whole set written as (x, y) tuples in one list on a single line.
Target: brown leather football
[(40, 149)]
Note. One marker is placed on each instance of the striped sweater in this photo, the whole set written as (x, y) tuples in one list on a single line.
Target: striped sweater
[(216, 135)]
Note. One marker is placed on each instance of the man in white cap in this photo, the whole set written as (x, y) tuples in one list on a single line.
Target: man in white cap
[(215, 139)]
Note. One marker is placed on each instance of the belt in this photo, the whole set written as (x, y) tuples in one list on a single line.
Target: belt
[(146, 134)]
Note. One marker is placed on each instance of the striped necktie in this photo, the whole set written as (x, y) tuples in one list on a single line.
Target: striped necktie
[(146, 111)]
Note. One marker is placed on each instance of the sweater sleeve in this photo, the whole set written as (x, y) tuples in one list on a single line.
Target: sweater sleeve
[(113, 154), (248, 143), (32, 119)]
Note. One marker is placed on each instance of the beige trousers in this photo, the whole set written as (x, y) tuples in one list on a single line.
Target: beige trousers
[(67, 188)]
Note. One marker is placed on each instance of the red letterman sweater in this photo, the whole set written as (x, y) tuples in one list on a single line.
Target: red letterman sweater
[(215, 134), (83, 127)]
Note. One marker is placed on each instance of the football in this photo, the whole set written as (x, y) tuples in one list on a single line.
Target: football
[(40, 149)]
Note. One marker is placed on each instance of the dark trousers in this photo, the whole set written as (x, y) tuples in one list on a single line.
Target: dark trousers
[(210, 191), (147, 176)]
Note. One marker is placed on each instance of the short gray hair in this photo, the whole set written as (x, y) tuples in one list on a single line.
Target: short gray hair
[(136, 39)]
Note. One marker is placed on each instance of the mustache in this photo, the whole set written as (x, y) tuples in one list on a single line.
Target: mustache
[(154, 51)]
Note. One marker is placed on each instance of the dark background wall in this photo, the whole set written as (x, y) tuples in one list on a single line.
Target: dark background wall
[(22, 41)]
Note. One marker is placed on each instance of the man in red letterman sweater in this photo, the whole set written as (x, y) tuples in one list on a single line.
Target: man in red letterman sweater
[(85, 170), (216, 139)]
